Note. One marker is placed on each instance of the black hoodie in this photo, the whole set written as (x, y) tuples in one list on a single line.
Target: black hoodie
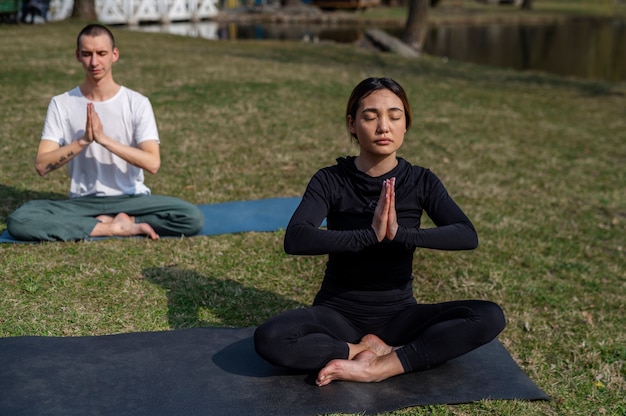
[(347, 198)]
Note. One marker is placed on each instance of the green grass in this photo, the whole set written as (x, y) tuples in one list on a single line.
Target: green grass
[(537, 161)]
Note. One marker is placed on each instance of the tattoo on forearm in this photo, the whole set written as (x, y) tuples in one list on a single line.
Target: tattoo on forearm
[(62, 159), (52, 166)]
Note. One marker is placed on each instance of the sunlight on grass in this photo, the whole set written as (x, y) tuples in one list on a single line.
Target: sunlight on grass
[(536, 161)]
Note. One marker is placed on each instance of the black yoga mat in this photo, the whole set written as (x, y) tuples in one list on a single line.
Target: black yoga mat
[(215, 371)]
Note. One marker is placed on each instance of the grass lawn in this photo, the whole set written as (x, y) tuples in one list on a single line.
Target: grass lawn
[(538, 162)]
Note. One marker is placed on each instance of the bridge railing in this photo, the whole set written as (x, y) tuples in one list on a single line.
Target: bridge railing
[(136, 11)]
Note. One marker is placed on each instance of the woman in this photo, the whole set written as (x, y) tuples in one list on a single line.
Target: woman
[(365, 325)]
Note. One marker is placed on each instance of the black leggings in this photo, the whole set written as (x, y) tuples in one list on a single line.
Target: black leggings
[(427, 334)]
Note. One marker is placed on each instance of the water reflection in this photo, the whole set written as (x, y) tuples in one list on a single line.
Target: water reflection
[(259, 31), (586, 48)]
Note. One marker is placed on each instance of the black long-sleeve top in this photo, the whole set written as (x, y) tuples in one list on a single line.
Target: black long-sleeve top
[(347, 197)]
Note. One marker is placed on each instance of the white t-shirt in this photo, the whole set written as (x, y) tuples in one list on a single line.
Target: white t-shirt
[(127, 117)]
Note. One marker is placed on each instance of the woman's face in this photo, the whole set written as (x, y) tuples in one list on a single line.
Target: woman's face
[(379, 124)]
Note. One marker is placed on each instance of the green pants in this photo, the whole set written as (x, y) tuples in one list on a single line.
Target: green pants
[(74, 219)]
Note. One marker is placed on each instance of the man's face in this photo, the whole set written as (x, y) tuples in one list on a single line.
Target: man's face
[(97, 55)]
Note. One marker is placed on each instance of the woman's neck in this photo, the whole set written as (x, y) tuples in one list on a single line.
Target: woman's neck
[(376, 167)]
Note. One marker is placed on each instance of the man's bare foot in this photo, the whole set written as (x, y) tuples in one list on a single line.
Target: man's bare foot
[(105, 218), (365, 367), (122, 226), (376, 345)]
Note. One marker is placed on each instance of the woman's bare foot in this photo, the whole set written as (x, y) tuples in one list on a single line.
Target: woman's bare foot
[(122, 225), (371, 343), (376, 345), (364, 367)]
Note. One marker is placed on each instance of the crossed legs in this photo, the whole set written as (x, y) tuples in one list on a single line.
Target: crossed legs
[(418, 337), (80, 218)]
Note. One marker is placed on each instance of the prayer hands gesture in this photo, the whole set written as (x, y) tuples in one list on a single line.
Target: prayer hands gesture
[(93, 128), (145, 155), (385, 222)]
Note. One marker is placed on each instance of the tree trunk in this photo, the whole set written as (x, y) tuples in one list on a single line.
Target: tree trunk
[(416, 26), (527, 5), (84, 10), (290, 3)]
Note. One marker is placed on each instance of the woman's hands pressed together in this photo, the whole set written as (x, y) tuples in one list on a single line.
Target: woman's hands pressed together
[(385, 222)]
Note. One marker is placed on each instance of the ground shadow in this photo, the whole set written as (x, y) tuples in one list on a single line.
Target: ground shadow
[(240, 357), (196, 300)]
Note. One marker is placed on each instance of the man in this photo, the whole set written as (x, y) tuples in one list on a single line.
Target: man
[(107, 136)]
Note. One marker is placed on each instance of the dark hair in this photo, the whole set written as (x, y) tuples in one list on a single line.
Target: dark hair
[(95, 30), (368, 86)]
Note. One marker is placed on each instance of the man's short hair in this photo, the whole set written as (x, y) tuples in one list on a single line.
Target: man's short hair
[(95, 29)]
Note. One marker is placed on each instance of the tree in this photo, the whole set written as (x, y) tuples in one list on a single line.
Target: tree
[(84, 10), (416, 27)]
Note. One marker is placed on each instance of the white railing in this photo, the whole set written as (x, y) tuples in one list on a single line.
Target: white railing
[(136, 11)]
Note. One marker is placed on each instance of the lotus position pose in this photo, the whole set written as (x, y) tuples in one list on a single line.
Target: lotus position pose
[(107, 136), (365, 324)]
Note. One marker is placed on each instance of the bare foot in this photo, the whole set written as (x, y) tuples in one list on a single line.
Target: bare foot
[(122, 226), (376, 345), (366, 367), (105, 218)]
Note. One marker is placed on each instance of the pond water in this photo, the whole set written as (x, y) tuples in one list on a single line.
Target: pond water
[(586, 48)]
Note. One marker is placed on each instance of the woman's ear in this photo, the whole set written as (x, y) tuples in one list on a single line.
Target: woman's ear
[(351, 125)]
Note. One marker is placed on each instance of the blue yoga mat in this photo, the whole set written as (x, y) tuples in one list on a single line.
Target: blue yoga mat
[(261, 215)]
